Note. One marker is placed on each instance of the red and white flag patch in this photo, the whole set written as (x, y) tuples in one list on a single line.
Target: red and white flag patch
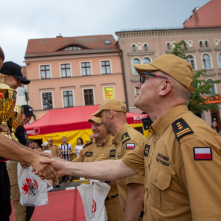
[(130, 146), (202, 153), (30, 109)]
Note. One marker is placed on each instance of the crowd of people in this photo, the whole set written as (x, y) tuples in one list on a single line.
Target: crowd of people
[(172, 175)]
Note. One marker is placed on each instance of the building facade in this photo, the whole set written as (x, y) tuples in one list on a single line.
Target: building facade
[(142, 47), (73, 71)]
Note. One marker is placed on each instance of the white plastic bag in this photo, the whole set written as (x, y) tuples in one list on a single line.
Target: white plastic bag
[(33, 190), (93, 197)]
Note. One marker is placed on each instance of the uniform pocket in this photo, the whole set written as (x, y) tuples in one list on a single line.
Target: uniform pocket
[(161, 192), (88, 159)]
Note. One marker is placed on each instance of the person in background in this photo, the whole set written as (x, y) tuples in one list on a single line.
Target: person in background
[(79, 146), (215, 127), (21, 212), (45, 146), (55, 153), (66, 152)]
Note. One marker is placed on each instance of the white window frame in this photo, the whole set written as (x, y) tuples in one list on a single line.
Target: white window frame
[(170, 45), (199, 43), (39, 66), (133, 66), (147, 57), (108, 85), (216, 41), (85, 88), (210, 61), (62, 98), (139, 47), (132, 46), (219, 64), (190, 42), (147, 46), (194, 61), (90, 66), (52, 94), (205, 43), (110, 66), (213, 84), (70, 68)]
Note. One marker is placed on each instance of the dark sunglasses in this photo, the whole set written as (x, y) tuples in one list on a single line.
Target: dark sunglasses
[(142, 76)]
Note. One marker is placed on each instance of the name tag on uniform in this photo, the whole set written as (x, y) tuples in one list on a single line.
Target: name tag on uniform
[(112, 153), (146, 150), (88, 154)]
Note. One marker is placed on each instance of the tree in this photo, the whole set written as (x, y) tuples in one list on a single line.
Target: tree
[(202, 89)]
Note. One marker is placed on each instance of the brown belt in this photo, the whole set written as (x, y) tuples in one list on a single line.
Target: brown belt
[(110, 197)]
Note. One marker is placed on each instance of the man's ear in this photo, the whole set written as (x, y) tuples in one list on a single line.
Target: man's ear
[(166, 87), (111, 114)]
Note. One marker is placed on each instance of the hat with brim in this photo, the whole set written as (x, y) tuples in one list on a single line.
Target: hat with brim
[(178, 68), (113, 104), (50, 139), (28, 111), (13, 69), (45, 144), (95, 120)]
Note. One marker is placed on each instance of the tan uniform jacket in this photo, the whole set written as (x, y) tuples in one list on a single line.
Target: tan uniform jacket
[(124, 141), (54, 150), (182, 163), (91, 151)]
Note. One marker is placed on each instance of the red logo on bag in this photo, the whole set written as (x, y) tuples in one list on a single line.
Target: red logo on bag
[(30, 187), (94, 208)]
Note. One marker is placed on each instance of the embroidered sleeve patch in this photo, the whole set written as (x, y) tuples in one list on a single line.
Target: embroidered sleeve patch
[(112, 153), (202, 153), (130, 146), (125, 137), (88, 154), (146, 150), (181, 128)]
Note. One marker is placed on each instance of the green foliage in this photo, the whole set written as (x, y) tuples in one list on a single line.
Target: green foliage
[(202, 88)]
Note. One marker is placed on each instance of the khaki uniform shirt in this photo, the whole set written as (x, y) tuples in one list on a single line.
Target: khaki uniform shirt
[(91, 151), (54, 150), (182, 163), (124, 141)]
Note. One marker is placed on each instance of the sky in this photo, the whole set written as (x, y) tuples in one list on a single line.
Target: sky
[(30, 19)]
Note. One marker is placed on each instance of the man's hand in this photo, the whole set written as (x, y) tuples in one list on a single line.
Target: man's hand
[(4, 129), (24, 165), (57, 164), (46, 155), (45, 171)]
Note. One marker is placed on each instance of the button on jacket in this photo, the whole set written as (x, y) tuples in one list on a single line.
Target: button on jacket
[(181, 160)]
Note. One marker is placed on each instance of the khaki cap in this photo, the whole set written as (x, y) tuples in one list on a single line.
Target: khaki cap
[(178, 68), (45, 144), (95, 120), (113, 104), (50, 139)]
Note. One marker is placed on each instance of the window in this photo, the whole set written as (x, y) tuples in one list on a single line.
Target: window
[(201, 44), (135, 61), (146, 61), (145, 47), (47, 100), (68, 98), (45, 71), (85, 68), (206, 62), (219, 60), (168, 46), (88, 97), (206, 43), (134, 47), (105, 67), (107, 42), (72, 48), (185, 45), (65, 70), (140, 47), (212, 90), (191, 60)]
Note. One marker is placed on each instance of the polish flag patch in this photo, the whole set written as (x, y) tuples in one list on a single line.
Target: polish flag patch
[(30, 109), (130, 146), (202, 153)]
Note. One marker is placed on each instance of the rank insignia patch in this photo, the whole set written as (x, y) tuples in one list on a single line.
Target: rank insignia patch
[(112, 153), (125, 137), (88, 154), (202, 153), (130, 146), (146, 150), (181, 128)]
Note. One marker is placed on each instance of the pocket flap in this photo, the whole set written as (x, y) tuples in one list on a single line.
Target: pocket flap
[(160, 179)]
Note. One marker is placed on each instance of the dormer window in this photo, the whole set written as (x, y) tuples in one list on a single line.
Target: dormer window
[(107, 42), (72, 48)]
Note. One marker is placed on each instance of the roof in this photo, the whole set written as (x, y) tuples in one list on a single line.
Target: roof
[(54, 46), (70, 119)]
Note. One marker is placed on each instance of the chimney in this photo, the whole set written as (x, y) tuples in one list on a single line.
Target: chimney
[(59, 36)]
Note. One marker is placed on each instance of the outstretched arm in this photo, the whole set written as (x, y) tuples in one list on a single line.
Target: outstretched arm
[(101, 170)]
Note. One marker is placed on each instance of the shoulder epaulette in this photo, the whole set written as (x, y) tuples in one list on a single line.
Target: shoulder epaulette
[(181, 128), (89, 143), (125, 137)]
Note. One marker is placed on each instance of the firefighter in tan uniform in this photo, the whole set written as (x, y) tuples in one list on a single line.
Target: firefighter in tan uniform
[(55, 153), (125, 139), (89, 153), (181, 159)]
